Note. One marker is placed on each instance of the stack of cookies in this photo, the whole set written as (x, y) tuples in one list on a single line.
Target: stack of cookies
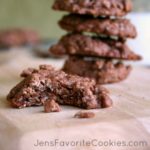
[(96, 42)]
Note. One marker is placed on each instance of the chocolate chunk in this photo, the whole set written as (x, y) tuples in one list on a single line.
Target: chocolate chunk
[(17, 37), (83, 45), (121, 28), (51, 106), (95, 7), (102, 71), (83, 114), (28, 72), (39, 86)]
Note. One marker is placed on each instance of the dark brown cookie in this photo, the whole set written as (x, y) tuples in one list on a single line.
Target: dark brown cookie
[(41, 85), (95, 7), (102, 71), (121, 28), (78, 44), (17, 37)]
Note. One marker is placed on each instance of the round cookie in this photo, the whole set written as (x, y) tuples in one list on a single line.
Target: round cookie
[(102, 71), (95, 7), (83, 45), (17, 37), (121, 28)]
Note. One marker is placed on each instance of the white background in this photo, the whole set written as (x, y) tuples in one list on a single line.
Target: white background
[(141, 44)]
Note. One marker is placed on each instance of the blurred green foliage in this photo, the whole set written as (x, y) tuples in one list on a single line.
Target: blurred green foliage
[(38, 15)]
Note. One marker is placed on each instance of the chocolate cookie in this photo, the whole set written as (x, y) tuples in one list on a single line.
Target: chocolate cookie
[(121, 28), (95, 7), (46, 83), (78, 44), (102, 71), (17, 37)]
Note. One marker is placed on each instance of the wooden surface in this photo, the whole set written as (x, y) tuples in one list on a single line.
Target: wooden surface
[(127, 120)]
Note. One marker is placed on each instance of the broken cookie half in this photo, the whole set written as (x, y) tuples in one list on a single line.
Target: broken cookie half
[(46, 83)]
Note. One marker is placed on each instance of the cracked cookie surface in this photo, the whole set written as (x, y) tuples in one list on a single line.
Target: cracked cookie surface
[(95, 7), (40, 85), (103, 71)]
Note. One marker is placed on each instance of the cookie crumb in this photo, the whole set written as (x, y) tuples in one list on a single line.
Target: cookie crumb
[(82, 114), (51, 106)]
